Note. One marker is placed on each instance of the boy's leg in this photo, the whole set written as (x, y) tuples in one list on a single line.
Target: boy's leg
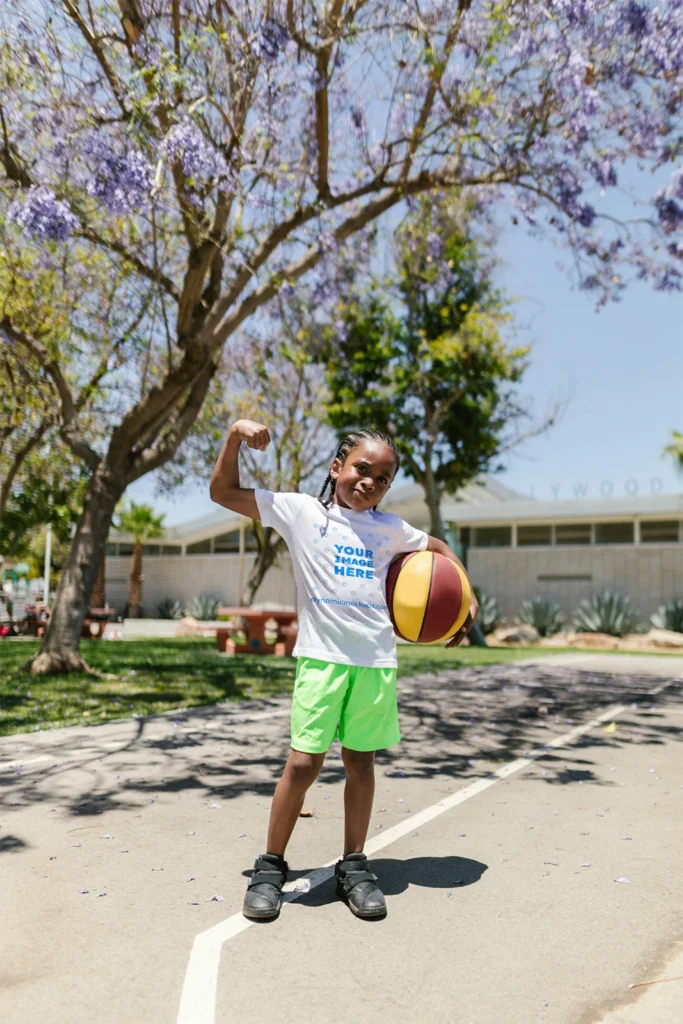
[(359, 793), (262, 899), (300, 773)]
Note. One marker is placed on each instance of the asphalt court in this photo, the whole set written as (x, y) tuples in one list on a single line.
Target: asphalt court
[(491, 909)]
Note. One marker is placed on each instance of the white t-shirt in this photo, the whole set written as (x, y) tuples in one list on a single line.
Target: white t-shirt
[(340, 559)]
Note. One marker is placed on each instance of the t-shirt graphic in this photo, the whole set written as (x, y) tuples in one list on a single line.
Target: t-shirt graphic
[(340, 559)]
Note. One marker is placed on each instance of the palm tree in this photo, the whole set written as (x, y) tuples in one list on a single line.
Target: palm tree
[(140, 523), (675, 449)]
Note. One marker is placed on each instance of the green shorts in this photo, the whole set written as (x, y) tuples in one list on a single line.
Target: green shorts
[(359, 703)]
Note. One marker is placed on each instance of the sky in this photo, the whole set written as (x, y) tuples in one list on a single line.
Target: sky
[(618, 372)]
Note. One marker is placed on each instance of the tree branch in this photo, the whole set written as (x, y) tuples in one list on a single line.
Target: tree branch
[(20, 457), (78, 445), (152, 458), (150, 273), (94, 44)]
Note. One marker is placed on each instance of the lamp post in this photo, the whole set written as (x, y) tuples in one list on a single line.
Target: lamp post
[(46, 569)]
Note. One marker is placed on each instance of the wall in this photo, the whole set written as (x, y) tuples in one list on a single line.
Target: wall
[(649, 574), (182, 577)]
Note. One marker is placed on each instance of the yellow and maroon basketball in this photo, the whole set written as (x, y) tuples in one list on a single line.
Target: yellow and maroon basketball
[(428, 595)]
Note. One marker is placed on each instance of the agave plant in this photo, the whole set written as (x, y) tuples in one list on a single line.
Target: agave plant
[(606, 612), (204, 607), (543, 614), (489, 611), (669, 616), (169, 609)]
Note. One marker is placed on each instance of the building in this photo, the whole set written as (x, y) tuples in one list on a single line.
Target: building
[(515, 548)]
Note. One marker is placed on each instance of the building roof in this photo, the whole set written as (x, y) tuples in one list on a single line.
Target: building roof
[(484, 501), (407, 500), (587, 509)]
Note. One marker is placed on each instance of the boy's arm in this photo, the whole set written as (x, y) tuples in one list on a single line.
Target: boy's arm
[(225, 481), (434, 544)]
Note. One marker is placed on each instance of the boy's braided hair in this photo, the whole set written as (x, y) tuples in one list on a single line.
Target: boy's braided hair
[(347, 445)]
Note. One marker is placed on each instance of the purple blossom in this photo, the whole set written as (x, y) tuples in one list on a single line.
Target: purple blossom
[(670, 213), (636, 18), (42, 216), (121, 182), (270, 39), (200, 160), (604, 172)]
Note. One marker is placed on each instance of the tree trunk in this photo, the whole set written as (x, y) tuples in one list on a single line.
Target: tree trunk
[(272, 544), (59, 649), (433, 499), (135, 592), (99, 593)]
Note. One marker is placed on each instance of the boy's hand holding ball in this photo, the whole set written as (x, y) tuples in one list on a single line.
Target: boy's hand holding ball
[(254, 435)]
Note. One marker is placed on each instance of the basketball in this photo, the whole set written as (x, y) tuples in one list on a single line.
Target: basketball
[(428, 595)]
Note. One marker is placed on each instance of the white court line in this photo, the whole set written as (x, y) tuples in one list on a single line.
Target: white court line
[(198, 997)]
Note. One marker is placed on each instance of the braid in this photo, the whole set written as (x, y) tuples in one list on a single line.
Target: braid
[(347, 445)]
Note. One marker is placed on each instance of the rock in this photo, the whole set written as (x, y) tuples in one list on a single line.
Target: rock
[(188, 627), (522, 634), (602, 641), (557, 640), (665, 638)]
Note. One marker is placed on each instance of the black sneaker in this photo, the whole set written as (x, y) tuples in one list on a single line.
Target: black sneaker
[(262, 898), (357, 886)]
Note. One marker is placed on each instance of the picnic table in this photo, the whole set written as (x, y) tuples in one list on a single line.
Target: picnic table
[(254, 624)]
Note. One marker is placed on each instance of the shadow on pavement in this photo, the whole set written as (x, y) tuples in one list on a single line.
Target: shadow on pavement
[(456, 724), (395, 877)]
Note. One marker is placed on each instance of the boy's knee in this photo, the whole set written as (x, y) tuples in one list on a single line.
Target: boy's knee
[(359, 762), (303, 768)]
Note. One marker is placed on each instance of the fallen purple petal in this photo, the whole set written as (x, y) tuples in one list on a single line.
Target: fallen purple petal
[(214, 899), (626, 881), (84, 890)]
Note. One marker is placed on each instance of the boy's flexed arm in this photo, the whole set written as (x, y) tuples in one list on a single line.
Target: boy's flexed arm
[(225, 481)]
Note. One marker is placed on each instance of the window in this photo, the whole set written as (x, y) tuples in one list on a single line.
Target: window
[(573, 533), (126, 549), (112, 549), (202, 547), (168, 549), (534, 536), (661, 531), (493, 537), (614, 533), (227, 542), (151, 549), (464, 536)]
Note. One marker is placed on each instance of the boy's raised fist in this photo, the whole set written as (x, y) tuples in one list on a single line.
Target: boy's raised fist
[(254, 435)]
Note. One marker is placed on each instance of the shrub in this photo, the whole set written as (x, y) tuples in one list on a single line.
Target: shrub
[(606, 612), (669, 616), (204, 607), (169, 609), (489, 611), (543, 614)]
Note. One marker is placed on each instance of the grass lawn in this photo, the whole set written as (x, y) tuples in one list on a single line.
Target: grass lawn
[(149, 676)]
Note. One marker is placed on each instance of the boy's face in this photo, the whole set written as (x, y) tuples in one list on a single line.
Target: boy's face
[(365, 477)]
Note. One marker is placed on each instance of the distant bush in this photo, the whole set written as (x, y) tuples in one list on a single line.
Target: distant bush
[(204, 607), (543, 614), (669, 616), (606, 612), (169, 609), (489, 611)]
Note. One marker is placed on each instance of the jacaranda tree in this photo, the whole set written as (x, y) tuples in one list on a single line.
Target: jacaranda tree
[(218, 151)]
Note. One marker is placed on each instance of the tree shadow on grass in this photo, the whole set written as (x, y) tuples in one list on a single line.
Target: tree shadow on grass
[(457, 724)]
